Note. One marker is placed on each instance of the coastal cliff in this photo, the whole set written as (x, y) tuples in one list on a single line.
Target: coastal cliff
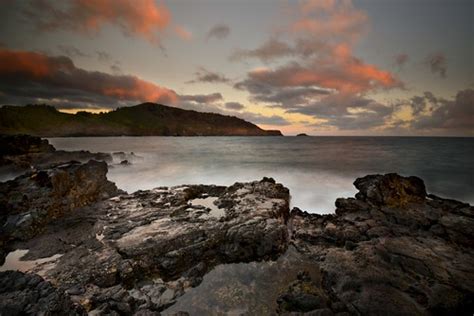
[(147, 119)]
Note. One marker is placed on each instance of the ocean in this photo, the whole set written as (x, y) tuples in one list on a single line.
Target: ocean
[(317, 170)]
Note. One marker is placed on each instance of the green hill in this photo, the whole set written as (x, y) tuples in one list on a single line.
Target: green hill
[(147, 119)]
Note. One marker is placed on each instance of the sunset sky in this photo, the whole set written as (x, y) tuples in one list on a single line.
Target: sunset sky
[(324, 67)]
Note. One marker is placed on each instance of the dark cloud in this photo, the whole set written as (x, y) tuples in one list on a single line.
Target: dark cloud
[(438, 64), (202, 98), (234, 106), (442, 114), (401, 59), (269, 50), (262, 119), (218, 31), (103, 57), (340, 72), (30, 75), (284, 97), (347, 112), (146, 18), (204, 75), (71, 51), (115, 68)]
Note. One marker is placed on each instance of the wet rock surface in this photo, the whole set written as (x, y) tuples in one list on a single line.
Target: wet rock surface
[(204, 249), (29, 202), (393, 249), (141, 251), (23, 152)]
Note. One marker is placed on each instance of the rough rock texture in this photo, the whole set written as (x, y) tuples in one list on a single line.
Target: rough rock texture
[(393, 249), (11, 145), (29, 294), (23, 152), (140, 252), (29, 202)]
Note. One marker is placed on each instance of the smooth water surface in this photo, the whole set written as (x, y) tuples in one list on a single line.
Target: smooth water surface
[(317, 170)]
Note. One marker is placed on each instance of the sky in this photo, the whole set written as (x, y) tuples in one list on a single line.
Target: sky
[(321, 67)]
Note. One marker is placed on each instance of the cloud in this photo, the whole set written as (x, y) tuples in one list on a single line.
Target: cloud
[(262, 119), (330, 19), (71, 51), (202, 98), (115, 68), (401, 59), (434, 113), (141, 18), (317, 73), (271, 49), (347, 112), (322, 36), (234, 106), (340, 71), (103, 57), (183, 33), (438, 64), (218, 31), (29, 75), (204, 75)]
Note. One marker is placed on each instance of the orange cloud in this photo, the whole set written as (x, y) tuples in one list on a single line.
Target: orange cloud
[(338, 70), (58, 76), (29, 64), (143, 18), (330, 19), (183, 33)]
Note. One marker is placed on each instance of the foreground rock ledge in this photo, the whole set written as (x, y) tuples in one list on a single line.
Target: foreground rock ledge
[(392, 249)]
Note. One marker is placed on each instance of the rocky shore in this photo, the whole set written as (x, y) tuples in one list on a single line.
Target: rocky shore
[(21, 153), (88, 248)]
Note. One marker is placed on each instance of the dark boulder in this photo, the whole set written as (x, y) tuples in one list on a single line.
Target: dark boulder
[(32, 200), (390, 189), (29, 294)]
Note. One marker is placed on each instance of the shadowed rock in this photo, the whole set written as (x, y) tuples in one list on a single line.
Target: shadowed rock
[(393, 250), (29, 294), (24, 152), (29, 202)]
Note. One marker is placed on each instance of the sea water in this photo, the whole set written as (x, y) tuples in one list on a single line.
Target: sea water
[(317, 170)]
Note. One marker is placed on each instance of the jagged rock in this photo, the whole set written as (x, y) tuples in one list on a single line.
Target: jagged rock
[(29, 202), (302, 296), (390, 189), (393, 250), (23, 152), (11, 145), (161, 242), (29, 294)]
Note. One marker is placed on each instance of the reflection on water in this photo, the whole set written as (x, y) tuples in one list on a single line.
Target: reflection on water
[(244, 288), (208, 202), (13, 261), (317, 170)]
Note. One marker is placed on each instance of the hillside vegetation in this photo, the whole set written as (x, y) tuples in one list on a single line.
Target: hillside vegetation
[(147, 119)]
